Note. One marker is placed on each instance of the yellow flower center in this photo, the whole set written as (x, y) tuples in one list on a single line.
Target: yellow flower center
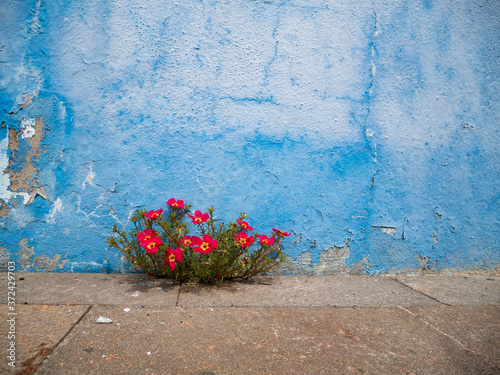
[(204, 246), (151, 245), (197, 219), (243, 240), (171, 258)]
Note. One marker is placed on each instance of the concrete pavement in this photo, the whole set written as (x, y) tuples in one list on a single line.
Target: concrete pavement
[(271, 325)]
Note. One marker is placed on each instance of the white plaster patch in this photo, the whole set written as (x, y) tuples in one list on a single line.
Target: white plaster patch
[(55, 209), (5, 194), (28, 126), (388, 230), (90, 176), (369, 133), (26, 197)]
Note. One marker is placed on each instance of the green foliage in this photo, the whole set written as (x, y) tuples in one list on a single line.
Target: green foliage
[(237, 254)]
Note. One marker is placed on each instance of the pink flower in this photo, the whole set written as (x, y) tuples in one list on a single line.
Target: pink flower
[(175, 204), (266, 240), (188, 241), (146, 235), (280, 233), (198, 217), (152, 215), (152, 244), (243, 240), (244, 224), (205, 244), (173, 256)]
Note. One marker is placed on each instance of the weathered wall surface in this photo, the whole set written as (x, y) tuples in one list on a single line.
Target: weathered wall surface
[(367, 128)]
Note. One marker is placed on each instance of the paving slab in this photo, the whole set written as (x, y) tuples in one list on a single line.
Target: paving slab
[(259, 340), (342, 291), (456, 290), (477, 328), (91, 288), (37, 330)]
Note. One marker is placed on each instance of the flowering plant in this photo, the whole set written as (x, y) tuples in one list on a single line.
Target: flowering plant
[(161, 244)]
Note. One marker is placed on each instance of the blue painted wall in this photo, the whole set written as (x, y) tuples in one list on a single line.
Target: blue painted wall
[(368, 129)]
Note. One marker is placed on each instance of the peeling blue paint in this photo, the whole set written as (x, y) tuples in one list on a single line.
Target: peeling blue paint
[(367, 129)]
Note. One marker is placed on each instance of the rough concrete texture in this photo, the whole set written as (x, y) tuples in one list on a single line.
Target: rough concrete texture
[(38, 330), (367, 128), (305, 291), (474, 327), (226, 331), (81, 288), (260, 340), (457, 290)]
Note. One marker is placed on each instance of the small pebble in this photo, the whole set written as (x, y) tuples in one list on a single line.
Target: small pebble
[(127, 309), (148, 353), (490, 278), (102, 319)]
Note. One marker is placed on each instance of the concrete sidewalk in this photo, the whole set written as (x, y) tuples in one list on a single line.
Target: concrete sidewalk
[(272, 325)]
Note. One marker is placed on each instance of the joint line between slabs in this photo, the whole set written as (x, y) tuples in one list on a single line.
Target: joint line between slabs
[(422, 293), (66, 335), (450, 337)]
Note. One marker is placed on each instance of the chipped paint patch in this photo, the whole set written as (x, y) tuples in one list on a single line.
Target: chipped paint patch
[(5, 194), (90, 176), (332, 262), (4, 258), (424, 263), (25, 253), (21, 175), (28, 128), (55, 209), (391, 231), (38, 263), (4, 209), (43, 263)]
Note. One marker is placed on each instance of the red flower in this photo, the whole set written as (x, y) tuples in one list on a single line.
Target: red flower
[(244, 224), (266, 240), (172, 256), (205, 244), (152, 244), (243, 239), (151, 215), (146, 235), (280, 233), (188, 241), (198, 217), (175, 204)]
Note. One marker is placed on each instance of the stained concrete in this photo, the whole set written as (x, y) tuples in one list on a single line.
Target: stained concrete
[(474, 327), (272, 325), (38, 330), (259, 340)]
